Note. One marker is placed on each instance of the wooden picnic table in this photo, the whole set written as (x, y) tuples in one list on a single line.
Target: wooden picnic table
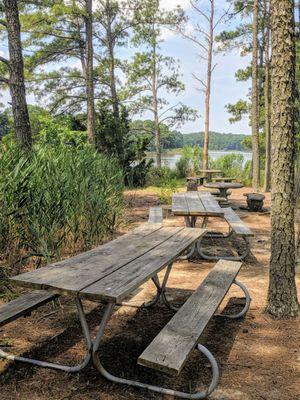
[(109, 274), (210, 172), (191, 205), (223, 187)]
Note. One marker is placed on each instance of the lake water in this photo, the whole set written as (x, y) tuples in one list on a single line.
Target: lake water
[(170, 160)]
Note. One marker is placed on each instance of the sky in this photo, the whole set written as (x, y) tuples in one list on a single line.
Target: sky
[(225, 88)]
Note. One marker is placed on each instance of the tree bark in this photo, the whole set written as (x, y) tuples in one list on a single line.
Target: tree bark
[(267, 182), (255, 106), (155, 110), (89, 76), (282, 296), (208, 85), (111, 56), (22, 128)]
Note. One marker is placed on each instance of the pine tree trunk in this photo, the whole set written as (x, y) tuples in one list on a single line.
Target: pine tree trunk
[(208, 86), (282, 296), (16, 79), (255, 106), (112, 76), (155, 111), (90, 72), (267, 183)]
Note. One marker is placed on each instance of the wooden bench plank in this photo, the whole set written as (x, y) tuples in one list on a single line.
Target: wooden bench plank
[(24, 305), (171, 348), (76, 273), (237, 225), (124, 281)]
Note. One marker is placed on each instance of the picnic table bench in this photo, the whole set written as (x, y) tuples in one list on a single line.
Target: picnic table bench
[(111, 272), (170, 350), (237, 227), (23, 305)]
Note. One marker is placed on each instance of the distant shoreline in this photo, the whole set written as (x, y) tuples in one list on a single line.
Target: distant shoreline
[(170, 152)]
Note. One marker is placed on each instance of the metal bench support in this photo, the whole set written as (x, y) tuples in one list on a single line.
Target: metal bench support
[(153, 388), (60, 367), (247, 305)]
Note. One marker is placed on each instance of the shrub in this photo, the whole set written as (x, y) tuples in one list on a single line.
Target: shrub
[(159, 176), (182, 167), (167, 189), (190, 161), (231, 165), (56, 199)]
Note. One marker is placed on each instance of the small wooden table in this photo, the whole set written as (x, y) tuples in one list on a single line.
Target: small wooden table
[(110, 273), (223, 187)]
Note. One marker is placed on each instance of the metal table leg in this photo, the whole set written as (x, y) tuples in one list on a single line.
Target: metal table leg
[(160, 293), (60, 367)]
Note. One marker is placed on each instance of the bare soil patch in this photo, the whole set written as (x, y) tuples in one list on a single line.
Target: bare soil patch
[(259, 357)]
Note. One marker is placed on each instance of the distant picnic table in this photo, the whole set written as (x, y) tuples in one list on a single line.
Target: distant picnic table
[(194, 204), (223, 187), (208, 173)]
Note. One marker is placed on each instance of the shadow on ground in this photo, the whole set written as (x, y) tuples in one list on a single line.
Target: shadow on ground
[(127, 335)]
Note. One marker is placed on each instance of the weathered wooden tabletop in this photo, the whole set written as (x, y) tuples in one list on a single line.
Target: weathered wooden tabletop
[(196, 204), (223, 185), (112, 271)]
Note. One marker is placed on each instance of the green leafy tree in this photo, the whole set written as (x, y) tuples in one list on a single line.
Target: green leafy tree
[(114, 138), (170, 139)]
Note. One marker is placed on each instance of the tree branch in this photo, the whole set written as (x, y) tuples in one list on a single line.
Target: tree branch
[(199, 10), (5, 61), (4, 80)]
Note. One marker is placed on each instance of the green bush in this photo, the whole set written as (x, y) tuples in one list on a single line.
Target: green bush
[(159, 176), (231, 165), (190, 161), (167, 189), (56, 199), (182, 167)]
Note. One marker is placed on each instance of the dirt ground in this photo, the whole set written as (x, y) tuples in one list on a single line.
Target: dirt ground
[(259, 357)]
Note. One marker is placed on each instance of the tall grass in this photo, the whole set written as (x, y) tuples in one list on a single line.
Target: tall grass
[(56, 199)]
